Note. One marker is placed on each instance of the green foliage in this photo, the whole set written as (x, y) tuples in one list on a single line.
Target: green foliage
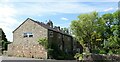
[(110, 52), (53, 50), (43, 42), (102, 51), (3, 40), (78, 56), (86, 31), (99, 33), (57, 53)]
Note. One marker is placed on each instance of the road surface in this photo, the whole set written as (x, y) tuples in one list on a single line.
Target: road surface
[(18, 59)]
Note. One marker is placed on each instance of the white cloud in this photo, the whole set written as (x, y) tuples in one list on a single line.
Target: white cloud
[(7, 20), (10, 11), (108, 9), (63, 18), (59, 0), (52, 8), (118, 8)]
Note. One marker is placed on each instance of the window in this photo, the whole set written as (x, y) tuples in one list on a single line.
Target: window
[(28, 34), (25, 34), (51, 33)]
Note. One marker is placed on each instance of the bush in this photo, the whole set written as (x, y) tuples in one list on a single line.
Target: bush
[(43, 42), (96, 51), (110, 52), (78, 56), (102, 52)]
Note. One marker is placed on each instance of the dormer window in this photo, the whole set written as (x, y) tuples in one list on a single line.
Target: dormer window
[(28, 34)]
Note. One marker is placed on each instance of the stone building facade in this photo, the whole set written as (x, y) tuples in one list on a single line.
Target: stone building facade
[(25, 39)]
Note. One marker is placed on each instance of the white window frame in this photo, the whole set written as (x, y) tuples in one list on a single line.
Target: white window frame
[(28, 34)]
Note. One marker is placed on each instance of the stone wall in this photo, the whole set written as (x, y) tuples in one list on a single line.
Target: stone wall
[(29, 26), (30, 51), (67, 43), (101, 58), (63, 41), (28, 46)]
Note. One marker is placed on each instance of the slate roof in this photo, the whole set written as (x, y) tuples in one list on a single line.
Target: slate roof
[(45, 26)]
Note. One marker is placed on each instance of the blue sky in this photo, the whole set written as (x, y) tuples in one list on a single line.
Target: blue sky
[(14, 12)]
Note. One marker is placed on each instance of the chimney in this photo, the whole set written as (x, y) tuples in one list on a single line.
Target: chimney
[(50, 24), (58, 28), (62, 29), (55, 27)]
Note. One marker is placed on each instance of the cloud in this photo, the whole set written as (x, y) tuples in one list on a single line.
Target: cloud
[(108, 9), (52, 8), (9, 12), (60, 0), (118, 8), (12, 10), (63, 18), (7, 20)]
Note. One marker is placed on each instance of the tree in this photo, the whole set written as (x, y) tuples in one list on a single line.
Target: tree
[(86, 31), (100, 34), (113, 39), (97, 32), (3, 40)]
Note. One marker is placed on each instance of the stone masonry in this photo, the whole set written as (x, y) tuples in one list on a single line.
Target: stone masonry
[(28, 46), (32, 51)]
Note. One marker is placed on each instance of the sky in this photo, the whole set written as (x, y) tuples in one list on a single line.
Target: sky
[(14, 12)]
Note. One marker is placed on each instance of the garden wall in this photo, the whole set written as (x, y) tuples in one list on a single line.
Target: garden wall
[(101, 58), (30, 51)]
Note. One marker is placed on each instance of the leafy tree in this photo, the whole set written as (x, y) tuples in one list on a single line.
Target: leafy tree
[(86, 31), (3, 40), (113, 40), (98, 33)]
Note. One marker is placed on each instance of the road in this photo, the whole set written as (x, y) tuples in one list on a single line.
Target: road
[(18, 59)]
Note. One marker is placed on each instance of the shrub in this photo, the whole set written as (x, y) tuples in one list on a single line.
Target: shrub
[(102, 52), (78, 56)]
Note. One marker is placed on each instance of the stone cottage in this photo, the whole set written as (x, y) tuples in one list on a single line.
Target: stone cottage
[(25, 39)]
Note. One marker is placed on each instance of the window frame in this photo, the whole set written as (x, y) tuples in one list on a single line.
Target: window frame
[(28, 34)]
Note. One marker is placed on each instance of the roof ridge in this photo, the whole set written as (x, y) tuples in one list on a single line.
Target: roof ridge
[(48, 27), (43, 25)]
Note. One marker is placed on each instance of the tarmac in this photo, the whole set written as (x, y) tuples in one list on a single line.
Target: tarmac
[(21, 59)]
